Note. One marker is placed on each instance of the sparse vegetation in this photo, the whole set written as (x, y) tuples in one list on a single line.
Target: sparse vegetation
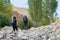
[(29, 25)]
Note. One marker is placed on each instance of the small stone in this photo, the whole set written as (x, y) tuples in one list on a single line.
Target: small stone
[(24, 38), (1, 36)]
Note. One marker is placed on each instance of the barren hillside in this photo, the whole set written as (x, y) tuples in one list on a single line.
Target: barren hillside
[(20, 12)]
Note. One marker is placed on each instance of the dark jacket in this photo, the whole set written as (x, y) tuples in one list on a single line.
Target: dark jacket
[(25, 19)]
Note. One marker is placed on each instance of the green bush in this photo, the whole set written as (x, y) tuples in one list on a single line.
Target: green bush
[(4, 20), (45, 21), (21, 24), (30, 23)]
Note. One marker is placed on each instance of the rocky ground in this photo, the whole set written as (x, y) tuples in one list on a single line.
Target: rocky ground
[(48, 32)]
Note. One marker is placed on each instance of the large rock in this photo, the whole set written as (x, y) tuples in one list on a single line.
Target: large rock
[(7, 29), (20, 34)]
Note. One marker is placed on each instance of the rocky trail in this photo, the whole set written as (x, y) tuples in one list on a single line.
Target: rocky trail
[(48, 32)]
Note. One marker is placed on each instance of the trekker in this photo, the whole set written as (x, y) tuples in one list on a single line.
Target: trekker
[(25, 20), (14, 24)]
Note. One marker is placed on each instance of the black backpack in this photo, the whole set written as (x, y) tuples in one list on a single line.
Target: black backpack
[(14, 21), (25, 18)]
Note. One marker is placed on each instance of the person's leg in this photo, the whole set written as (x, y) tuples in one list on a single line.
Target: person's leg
[(26, 25), (13, 29), (16, 29)]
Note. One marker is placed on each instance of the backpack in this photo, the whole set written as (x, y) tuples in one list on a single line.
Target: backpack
[(25, 18), (14, 21)]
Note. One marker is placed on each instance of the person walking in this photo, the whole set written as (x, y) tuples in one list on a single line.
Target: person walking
[(14, 24), (25, 20)]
